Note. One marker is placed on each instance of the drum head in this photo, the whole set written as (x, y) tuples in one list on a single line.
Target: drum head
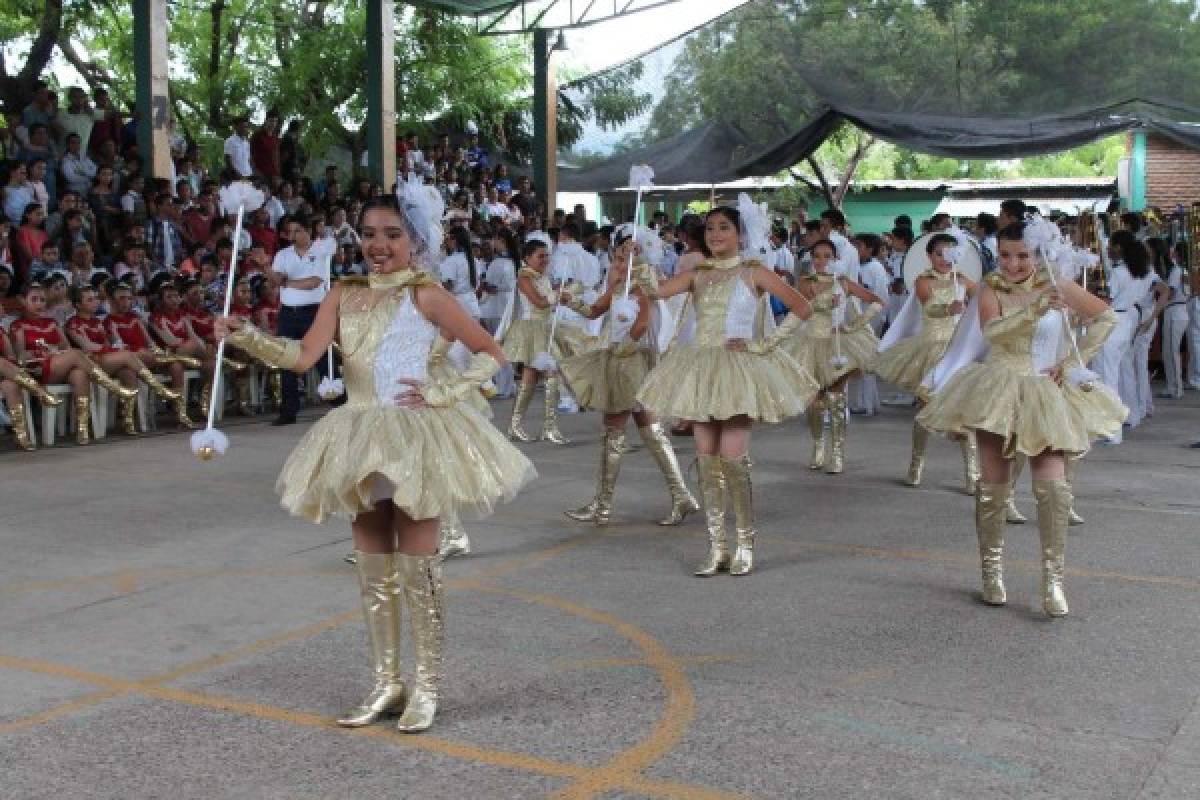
[(916, 260)]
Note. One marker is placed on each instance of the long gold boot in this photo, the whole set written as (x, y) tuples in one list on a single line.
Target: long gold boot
[(277, 387), (20, 427), (520, 404), (106, 382), (550, 431), (816, 427), (157, 386), (454, 539), (1011, 513), (1072, 469), (1053, 500), (242, 387), (599, 511), (379, 590), (737, 479), (970, 453), (712, 489), (83, 418), (659, 445), (920, 438), (836, 402), (167, 357), (206, 398), (128, 414), (26, 382), (179, 406), (422, 578), (990, 502)]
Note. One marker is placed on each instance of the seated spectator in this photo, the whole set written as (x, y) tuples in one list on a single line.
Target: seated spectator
[(30, 237), (47, 261)]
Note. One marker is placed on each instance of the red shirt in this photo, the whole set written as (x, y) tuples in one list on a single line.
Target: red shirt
[(197, 227), (203, 323), (264, 153), (128, 328), (174, 323), (91, 330), (30, 239), (272, 314), (266, 237)]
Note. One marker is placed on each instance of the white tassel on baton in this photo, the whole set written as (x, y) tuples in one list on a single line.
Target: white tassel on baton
[(641, 177), (210, 442), (330, 387)]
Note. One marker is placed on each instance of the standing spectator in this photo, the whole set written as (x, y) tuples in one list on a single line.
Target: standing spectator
[(129, 132), (237, 149), (164, 244), (41, 110), (77, 168), (477, 156), (502, 181), (292, 157), (299, 272), (79, 118), (107, 126), (331, 177), (264, 147)]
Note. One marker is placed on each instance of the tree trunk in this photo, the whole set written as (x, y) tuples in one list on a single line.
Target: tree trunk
[(865, 142), (826, 189), (17, 90)]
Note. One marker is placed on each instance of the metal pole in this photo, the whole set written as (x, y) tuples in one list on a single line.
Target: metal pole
[(545, 134), (381, 92)]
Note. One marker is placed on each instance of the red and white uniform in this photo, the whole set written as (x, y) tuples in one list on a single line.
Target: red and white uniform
[(92, 330), (127, 329), (39, 337), (174, 323), (203, 323)]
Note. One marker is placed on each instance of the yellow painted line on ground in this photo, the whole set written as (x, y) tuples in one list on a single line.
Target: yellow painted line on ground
[(609, 663), (865, 676)]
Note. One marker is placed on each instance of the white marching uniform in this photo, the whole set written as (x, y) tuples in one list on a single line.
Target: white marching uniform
[(501, 273), (1193, 337), (1124, 293), (864, 391), (847, 255), (570, 263), (455, 270), (1135, 366), (1175, 326)]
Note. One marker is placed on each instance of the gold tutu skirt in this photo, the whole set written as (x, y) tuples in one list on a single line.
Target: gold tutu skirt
[(528, 337), (604, 381), (1030, 412), (429, 461), (815, 354), (714, 383), (906, 363)]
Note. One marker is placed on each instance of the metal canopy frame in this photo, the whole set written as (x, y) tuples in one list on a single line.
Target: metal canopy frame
[(498, 17)]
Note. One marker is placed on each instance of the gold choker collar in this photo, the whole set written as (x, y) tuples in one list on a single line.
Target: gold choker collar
[(402, 277), (722, 263)]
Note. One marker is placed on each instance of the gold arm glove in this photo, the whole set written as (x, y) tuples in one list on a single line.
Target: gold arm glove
[(274, 350), (444, 394), (1098, 330), (781, 334), (864, 319), (577, 305), (999, 327)]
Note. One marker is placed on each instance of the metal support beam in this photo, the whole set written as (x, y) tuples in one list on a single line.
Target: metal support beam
[(153, 98), (545, 120), (1137, 173), (381, 92)]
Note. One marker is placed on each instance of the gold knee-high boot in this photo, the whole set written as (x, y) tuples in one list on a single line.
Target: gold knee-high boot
[(206, 398), (277, 387), (520, 404), (26, 382), (20, 426), (816, 427), (1012, 514), (380, 592), (659, 445), (1053, 501), (599, 511), (454, 539), (128, 414), (157, 386), (550, 431), (737, 479), (970, 454), (422, 577), (83, 419), (836, 402), (713, 490), (990, 502), (1072, 469), (242, 387), (920, 438), (106, 382)]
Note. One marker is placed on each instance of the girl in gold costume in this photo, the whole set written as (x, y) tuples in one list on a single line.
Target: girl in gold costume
[(833, 350), (405, 449), (729, 375), (525, 332), (1010, 376), (918, 339), (607, 379)]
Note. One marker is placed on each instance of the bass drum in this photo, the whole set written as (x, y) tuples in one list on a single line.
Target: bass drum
[(916, 260)]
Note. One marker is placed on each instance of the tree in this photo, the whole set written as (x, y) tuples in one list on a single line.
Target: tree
[(18, 19)]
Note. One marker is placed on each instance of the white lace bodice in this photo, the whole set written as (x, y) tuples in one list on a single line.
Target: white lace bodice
[(741, 312), (403, 352), (1047, 337)]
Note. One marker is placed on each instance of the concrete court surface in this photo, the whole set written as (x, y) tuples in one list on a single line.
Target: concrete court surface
[(167, 631)]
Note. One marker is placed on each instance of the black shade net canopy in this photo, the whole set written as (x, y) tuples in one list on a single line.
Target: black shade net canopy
[(972, 79)]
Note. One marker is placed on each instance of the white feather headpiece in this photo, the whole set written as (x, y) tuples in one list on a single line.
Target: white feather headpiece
[(755, 226), (641, 176), (240, 193), (423, 207), (540, 236), (653, 249)]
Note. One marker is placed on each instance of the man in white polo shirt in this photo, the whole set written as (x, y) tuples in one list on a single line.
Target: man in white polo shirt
[(299, 271), (237, 148)]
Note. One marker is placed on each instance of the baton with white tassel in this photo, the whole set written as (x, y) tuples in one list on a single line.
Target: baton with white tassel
[(210, 442), (330, 387)]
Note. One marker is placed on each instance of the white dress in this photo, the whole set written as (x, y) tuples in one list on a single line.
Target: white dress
[(455, 271)]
